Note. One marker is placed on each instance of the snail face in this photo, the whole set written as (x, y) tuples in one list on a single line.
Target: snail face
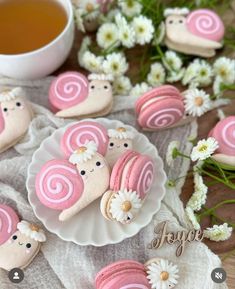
[(96, 167), (175, 21), (101, 88), (13, 107), (116, 148), (18, 251)]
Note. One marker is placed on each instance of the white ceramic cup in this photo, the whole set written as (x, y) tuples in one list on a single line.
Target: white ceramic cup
[(41, 62)]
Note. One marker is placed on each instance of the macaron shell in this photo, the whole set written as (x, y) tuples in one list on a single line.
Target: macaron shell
[(104, 204), (206, 23), (164, 90), (141, 176), (163, 114), (8, 222), (82, 132), (116, 176), (116, 272), (224, 133), (68, 89)]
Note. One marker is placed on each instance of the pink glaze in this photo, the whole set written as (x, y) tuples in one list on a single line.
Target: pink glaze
[(82, 132), (58, 185), (125, 274), (224, 133), (206, 24), (134, 172), (8, 223), (67, 90)]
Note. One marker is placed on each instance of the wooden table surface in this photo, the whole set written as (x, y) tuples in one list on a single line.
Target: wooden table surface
[(206, 122)]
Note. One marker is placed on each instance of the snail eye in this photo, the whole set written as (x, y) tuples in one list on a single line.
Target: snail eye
[(98, 164), (126, 145), (14, 237), (28, 245), (83, 172), (5, 109), (180, 21), (92, 87), (111, 144), (171, 22), (18, 104), (106, 87)]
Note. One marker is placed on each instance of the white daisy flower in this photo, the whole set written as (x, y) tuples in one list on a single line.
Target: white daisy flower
[(205, 73), (198, 199), (218, 233), (192, 218), (160, 34), (125, 205), (92, 63), (112, 14), (107, 35), (83, 153), (204, 149), (224, 68), (122, 86), (197, 102), (130, 8), (171, 153), (139, 89), (174, 76), (172, 61), (86, 42), (125, 31), (78, 13), (156, 75), (191, 73), (90, 8), (115, 64), (162, 274), (143, 29), (32, 231)]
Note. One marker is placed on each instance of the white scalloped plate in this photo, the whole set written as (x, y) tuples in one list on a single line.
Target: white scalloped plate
[(89, 227)]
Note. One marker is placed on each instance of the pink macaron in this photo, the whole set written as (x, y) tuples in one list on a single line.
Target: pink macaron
[(224, 133), (80, 133), (8, 222), (68, 89), (160, 108), (133, 171), (125, 274)]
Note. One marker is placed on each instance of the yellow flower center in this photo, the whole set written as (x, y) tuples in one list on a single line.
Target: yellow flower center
[(81, 150), (121, 129), (164, 275), (34, 227), (198, 101), (126, 206), (223, 72), (203, 148), (89, 7)]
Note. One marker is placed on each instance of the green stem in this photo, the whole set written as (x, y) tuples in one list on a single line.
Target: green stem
[(223, 220), (211, 210), (229, 254)]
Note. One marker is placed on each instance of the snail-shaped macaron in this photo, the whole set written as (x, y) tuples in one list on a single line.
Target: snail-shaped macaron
[(131, 180), (160, 108), (20, 242), (120, 140), (71, 94), (71, 185), (224, 133), (15, 116), (197, 33)]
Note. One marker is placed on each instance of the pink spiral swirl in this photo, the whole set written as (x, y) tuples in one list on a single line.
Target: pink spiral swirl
[(224, 133), (58, 185), (68, 89), (206, 24), (8, 223), (82, 132), (145, 179)]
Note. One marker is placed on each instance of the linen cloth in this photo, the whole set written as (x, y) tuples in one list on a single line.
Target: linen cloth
[(63, 264)]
